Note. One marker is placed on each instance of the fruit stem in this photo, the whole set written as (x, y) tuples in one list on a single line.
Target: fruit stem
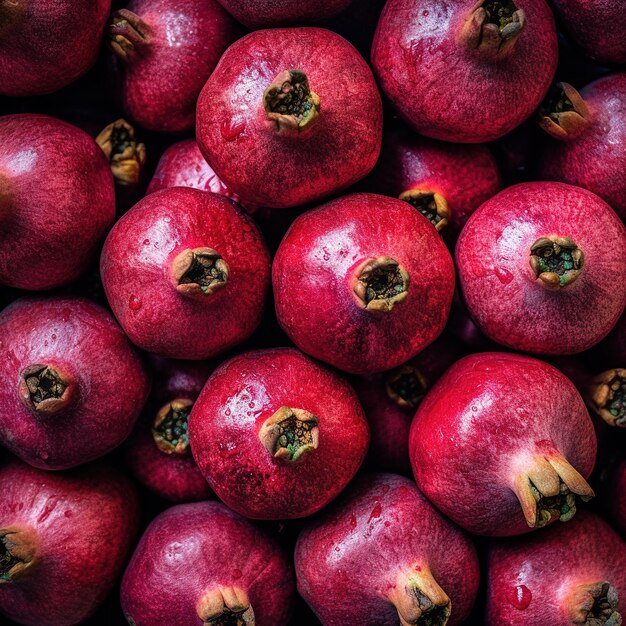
[(128, 35), (433, 206), (406, 386), (45, 389), (380, 283), (199, 272), (593, 604), (126, 156), (563, 114), (290, 433), (556, 261), (18, 552), (225, 606), (169, 430), (606, 394)]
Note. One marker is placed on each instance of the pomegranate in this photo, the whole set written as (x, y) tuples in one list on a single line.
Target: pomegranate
[(462, 327), (72, 386), (203, 564), (295, 108), (351, 287), (276, 435), (517, 432), (186, 273), (411, 563), (535, 255)]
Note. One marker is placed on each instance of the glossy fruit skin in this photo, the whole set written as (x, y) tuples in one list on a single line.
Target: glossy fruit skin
[(190, 548), (85, 521), (455, 94), (487, 412), (617, 497), (549, 565), (500, 290), (46, 45), (597, 159), (82, 340), (227, 417), (135, 267), (381, 525), (243, 147), (321, 253), (50, 172)]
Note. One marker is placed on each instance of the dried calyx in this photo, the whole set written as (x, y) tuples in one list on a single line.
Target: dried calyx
[(607, 396), (594, 604), (431, 205), (290, 433), (128, 34), (17, 553), (556, 261), (381, 283), (169, 430), (406, 386), (199, 272), (225, 606), (419, 600), (126, 156), (44, 388), (563, 114)]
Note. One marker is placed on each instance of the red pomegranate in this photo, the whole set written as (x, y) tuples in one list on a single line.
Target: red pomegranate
[(462, 327), (536, 255), (51, 173), (352, 286), (517, 432), (166, 50), (64, 538), (465, 71), (296, 109), (572, 575), (617, 497), (276, 435), (186, 273), (203, 564), (410, 562)]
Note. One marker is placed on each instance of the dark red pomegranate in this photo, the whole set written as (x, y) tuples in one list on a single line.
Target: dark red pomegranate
[(463, 71), (537, 255), (51, 173), (64, 538), (72, 385), (617, 497), (410, 562), (276, 435), (517, 432), (186, 273), (201, 564), (352, 287), (296, 109), (571, 575)]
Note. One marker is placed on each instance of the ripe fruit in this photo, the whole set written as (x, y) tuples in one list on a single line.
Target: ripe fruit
[(276, 435), (502, 444), (359, 291)]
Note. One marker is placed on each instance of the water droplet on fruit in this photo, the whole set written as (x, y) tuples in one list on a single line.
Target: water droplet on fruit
[(68, 513), (353, 521), (387, 524), (146, 242), (231, 129), (504, 276), (376, 512), (521, 597), (43, 455), (425, 13), (134, 303), (237, 574)]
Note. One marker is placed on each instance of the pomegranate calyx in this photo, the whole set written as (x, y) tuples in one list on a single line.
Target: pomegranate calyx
[(18, 553), (556, 261), (381, 283), (45, 389), (432, 205), (199, 272), (594, 604), (606, 394), (225, 606), (563, 114), (169, 430), (406, 386), (290, 433), (125, 154), (128, 35)]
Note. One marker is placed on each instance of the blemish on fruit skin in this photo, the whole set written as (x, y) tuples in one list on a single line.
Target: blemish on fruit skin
[(237, 573), (503, 275), (376, 512), (521, 597), (134, 303), (353, 521)]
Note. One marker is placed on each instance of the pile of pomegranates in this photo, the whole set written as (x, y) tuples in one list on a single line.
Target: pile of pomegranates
[(312, 313)]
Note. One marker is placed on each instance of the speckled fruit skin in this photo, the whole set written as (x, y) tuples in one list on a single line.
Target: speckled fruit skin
[(320, 254), (597, 159), (550, 565), (47, 44), (85, 522), (135, 268), (502, 294), (243, 147), (226, 419), (52, 173), (455, 94), (161, 83), (190, 548), (617, 497), (110, 383), (481, 420), (348, 560)]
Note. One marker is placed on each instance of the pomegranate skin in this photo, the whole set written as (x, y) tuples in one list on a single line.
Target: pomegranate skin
[(243, 146), (322, 254), (457, 94), (502, 292), (50, 172), (383, 531), (140, 273), (172, 53), (191, 549), (596, 160), (106, 382), (229, 418), (494, 418), (535, 581), (81, 524)]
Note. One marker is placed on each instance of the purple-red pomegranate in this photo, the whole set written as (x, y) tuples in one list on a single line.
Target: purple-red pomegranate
[(72, 385), (617, 497), (542, 268), (382, 555), (57, 200), (64, 538), (47, 44), (572, 575), (277, 435), (166, 50), (503, 444), (465, 71), (289, 116), (186, 273), (201, 564), (363, 282)]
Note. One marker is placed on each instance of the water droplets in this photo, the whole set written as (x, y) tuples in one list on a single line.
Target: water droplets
[(521, 597), (134, 303), (231, 129)]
